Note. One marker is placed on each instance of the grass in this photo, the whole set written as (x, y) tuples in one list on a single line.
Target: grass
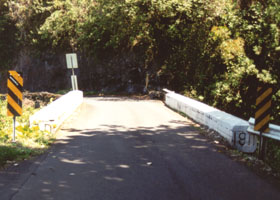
[(30, 141), (15, 152)]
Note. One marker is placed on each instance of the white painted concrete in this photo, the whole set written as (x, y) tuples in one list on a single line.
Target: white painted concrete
[(53, 115), (232, 128), (274, 132)]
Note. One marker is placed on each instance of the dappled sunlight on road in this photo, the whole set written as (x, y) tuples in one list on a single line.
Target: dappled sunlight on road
[(76, 161), (113, 179), (88, 163)]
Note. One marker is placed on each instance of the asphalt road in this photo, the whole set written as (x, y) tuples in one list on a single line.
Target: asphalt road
[(123, 149)]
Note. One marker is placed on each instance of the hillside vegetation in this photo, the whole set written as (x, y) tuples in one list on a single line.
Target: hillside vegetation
[(214, 50)]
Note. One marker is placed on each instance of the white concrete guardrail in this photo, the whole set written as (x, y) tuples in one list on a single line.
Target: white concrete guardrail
[(53, 115), (274, 130), (232, 128)]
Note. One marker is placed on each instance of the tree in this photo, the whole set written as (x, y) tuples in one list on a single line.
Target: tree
[(8, 37)]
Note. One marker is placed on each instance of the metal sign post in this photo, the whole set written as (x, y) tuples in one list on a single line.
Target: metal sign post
[(14, 98), (71, 60), (262, 116), (14, 129)]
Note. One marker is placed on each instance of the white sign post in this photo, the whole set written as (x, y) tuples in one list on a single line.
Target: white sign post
[(71, 60)]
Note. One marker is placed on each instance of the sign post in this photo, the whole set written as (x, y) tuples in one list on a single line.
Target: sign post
[(262, 116), (14, 97), (71, 60)]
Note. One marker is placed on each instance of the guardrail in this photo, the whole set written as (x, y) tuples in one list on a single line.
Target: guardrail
[(232, 128), (53, 115), (274, 132)]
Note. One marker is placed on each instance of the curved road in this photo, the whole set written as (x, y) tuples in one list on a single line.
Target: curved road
[(124, 149)]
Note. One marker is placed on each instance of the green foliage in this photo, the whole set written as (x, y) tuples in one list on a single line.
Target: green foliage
[(62, 27), (28, 16), (8, 37)]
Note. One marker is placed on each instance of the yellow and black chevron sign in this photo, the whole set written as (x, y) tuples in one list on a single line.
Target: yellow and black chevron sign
[(263, 109), (15, 88)]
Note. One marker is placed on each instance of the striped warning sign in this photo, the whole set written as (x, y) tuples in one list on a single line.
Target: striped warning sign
[(15, 88), (263, 109)]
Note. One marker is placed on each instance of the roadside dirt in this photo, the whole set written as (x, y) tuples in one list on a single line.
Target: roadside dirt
[(36, 99)]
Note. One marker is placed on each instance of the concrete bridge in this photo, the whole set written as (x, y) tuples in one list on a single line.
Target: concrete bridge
[(122, 148)]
